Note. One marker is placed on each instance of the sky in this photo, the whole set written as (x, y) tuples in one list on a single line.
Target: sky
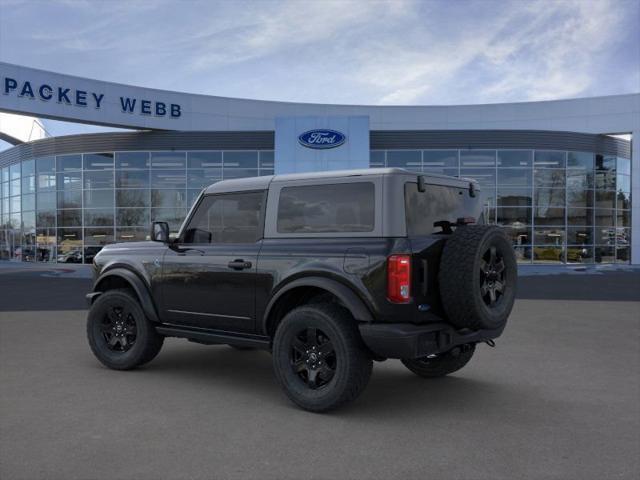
[(394, 52)]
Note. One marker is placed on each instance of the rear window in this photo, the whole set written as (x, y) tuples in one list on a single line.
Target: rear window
[(343, 207), (436, 204)]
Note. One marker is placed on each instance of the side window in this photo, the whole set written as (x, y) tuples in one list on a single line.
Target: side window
[(342, 207), (227, 218)]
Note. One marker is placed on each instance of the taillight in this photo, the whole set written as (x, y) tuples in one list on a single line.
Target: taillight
[(399, 278)]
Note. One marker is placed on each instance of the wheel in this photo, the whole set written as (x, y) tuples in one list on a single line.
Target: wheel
[(119, 333), (478, 276), (443, 364), (319, 358)]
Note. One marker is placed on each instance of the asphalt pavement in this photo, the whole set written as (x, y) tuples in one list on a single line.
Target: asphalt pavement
[(558, 398)]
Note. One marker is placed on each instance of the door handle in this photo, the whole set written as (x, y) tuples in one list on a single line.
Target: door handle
[(239, 264)]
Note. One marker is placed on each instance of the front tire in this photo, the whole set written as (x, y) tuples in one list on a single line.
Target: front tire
[(119, 333), (319, 358), (443, 364)]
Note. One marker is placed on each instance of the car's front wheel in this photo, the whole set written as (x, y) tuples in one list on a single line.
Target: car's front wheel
[(119, 333), (319, 358)]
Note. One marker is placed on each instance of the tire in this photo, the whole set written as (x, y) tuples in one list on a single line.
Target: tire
[(119, 333), (319, 358), (478, 277), (443, 364)]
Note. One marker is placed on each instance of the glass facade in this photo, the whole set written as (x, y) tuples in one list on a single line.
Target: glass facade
[(556, 206), (65, 208)]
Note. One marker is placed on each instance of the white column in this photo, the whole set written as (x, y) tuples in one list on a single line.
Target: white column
[(635, 197)]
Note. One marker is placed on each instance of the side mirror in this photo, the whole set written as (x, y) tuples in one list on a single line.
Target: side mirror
[(160, 232)]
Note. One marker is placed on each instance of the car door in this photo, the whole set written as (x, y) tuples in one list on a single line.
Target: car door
[(209, 274)]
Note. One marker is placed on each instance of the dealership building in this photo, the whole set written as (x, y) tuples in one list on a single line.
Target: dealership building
[(561, 177)]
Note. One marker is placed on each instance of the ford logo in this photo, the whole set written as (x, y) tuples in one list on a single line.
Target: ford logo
[(322, 138)]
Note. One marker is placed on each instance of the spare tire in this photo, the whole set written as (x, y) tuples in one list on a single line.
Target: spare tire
[(478, 277)]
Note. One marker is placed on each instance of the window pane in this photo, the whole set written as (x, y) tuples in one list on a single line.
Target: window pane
[(519, 235), (132, 234), (605, 180), (605, 235), (173, 216), (98, 161), (239, 173), (477, 158), (516, 197), (548, 197), (437, 204), (46, 218), (29, 202), (28, 168), (548, 254), (169, 198), (98, 217), (132, 159), (132, 198), (204, 159), (231, 218), (69, 180), (623, 166), (28, 184), (203, 178), (98, 236), (515, 158), (47, 201), (549, 178), (14, 187), (98, 179), (133, 217), (485, 176), (580, 235), (514, 176), (45, 165), (132, 179), (376, 158), (327, 208), (549, 159), (168, 159), (69, 162), (579, 178), (70, 199), (440, 161), (410, 159), (241, 159), (579, 254), (605, 217), (4, 177), (14, 204), (623, 183), (605, 199), (549, 236), (266, 159), (623, 254), (70, 218), (46, 181), (548, 216), (98, 199), (583, 160), (168, 179), (624, 218), (580, 198), (605, 254), (605, 163)]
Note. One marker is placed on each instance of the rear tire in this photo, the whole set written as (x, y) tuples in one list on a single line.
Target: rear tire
[(319, 358), (443, 364), (478, 277), (119, 333)]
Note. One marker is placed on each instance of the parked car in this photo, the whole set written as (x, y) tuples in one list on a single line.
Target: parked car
[(328, 271)]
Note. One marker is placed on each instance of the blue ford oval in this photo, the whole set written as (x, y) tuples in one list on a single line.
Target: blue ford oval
[(322, 138)]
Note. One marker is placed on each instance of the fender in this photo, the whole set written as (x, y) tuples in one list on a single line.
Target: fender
[(346, 295), (142, 291)]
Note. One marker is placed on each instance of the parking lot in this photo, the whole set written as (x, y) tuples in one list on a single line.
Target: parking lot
[(559, 397)]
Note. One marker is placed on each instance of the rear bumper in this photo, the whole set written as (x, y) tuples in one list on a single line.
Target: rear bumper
[(406, 340)]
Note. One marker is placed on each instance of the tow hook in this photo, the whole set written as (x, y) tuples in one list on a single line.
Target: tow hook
[(491, 343)]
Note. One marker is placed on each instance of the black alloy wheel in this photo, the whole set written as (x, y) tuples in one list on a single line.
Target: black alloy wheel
[(492, 279), (119, 329), (313, 357)]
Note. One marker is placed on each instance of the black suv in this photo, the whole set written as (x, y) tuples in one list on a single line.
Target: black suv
[(328, 271)]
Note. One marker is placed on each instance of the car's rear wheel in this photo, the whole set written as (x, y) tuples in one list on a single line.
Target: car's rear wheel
[(119, 333), (319, 358), (478, 277), (442, 364)]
